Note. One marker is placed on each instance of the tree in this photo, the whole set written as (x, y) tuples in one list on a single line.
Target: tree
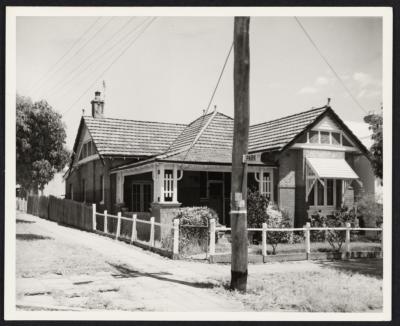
[(40, 144), (375, 122)]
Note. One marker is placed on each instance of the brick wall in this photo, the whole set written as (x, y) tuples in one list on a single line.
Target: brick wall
[(287, 182), (300, 195)]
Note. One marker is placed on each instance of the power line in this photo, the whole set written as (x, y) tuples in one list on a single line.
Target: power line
[(330, 66), (67, 52), (80, 49), (110, 65), (212, 97), (219, 78), (65, 82)]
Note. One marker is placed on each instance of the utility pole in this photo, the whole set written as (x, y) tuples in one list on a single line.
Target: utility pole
[(239, 150)]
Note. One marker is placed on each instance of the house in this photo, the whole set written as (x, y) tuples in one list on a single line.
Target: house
[(302, 162)]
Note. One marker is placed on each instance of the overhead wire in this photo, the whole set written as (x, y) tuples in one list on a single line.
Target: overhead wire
[(65, 53), (111, 64), (73, 76), (80, 49), (329, 65), (211, 98)]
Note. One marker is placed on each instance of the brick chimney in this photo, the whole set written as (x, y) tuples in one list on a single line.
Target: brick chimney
[(97, 106)]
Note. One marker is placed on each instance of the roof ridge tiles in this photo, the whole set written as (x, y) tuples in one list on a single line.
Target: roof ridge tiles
[(290, 116), (132, 120)]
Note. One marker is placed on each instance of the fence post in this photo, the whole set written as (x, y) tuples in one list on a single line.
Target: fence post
[(105, 222), (134, 231), (348, 239), (212, 238), (264, 239), (152, 231), (118, 226), (175, 251), (94, 216), (307, 236)]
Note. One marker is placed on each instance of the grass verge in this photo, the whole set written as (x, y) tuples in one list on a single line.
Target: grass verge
[(317, 291)]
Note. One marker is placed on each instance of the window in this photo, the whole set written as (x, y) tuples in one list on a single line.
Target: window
[(335, 138), (266, 188), (141, 196), (323, 193), (71, 191), (83, 190), (87, 150), (346, 142), (313, 137), (325, 137), (311, 197), (101, 189), (329, 192), (265, 184), (320, 193), (168, 185)]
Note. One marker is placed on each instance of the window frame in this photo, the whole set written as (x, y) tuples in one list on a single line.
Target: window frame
[(141, 185), (315, 190), (102, 189), (87, 150), (342, 137)]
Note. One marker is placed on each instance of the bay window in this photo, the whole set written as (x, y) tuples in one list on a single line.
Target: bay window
[(323, 193)]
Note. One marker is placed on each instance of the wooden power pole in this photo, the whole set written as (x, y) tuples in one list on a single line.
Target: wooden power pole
[(240, 147)]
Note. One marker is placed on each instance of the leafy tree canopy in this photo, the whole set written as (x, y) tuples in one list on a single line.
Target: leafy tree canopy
[(375, 122), (40, 144)]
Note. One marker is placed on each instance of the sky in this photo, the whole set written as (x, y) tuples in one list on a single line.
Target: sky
[(168, 71)]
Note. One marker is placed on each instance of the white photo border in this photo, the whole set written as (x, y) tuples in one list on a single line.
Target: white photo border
[(10, 312)]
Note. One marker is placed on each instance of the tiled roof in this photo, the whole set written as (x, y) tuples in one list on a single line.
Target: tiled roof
[(207, 139), (188, 135), (215, 142), (130, 137), (214, 145), (278, 133)]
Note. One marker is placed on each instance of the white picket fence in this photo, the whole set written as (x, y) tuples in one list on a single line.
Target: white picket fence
[(21, 204), (306, 230), (135, 221)]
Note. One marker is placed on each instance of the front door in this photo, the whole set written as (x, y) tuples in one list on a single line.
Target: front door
[(216, 198)]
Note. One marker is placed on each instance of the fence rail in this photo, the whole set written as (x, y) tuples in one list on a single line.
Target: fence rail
[(86, 217), (131, 232), (141, 231), (306, 229)]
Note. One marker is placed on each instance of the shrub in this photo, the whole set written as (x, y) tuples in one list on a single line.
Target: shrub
[(338, 219), (278, 221), (193, 229), (317, 220), (257, 206), (259, 211), (369, 211)]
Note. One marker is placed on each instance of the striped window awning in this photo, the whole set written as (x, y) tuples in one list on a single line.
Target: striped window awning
[(331, 168)]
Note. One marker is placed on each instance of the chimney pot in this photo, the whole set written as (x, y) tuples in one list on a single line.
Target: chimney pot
[(97, 106)]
